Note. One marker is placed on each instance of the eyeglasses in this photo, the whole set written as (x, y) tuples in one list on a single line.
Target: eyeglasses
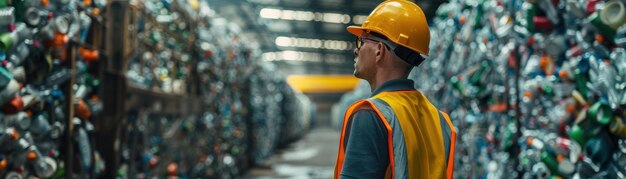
[(360, 40)]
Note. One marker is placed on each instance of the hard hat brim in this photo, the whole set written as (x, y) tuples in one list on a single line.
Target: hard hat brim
[(356, 30)]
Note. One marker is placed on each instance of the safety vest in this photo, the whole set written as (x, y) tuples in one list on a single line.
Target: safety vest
[(421, 139)]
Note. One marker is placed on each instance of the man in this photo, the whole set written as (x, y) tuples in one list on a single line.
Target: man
[(397, 133)]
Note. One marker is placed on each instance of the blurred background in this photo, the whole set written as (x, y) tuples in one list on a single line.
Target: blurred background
[(258, 88)]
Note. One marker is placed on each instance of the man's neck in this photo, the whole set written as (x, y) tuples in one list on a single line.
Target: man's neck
[(381, 79)]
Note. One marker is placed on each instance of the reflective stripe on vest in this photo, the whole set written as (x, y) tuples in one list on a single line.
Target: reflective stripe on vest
[(418, 135)]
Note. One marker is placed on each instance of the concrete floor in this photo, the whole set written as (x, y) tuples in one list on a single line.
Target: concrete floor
[(312, 157)]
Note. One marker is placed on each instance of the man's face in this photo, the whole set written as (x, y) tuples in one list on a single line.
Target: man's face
[(365, 60)]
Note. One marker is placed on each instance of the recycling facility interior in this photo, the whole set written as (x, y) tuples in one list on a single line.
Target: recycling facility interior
[(216, 89)]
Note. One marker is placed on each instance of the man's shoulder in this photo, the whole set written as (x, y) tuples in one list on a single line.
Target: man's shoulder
[(364, 113), (366, 117)]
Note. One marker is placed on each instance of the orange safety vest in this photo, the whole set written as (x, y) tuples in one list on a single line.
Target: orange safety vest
[(421, 139)]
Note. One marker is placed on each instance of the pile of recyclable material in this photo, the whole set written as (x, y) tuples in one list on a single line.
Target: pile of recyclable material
[(186, 147), (48, 64), (298, 113), (224, 65), (164, 54), (248, 108), (174, 145), (265, 113), (536, 89), (278, 114), (50, 56)]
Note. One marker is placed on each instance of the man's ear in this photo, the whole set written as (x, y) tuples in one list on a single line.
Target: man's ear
[(380, 52)]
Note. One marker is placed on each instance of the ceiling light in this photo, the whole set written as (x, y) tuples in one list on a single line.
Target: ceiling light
[(284, 41), (304, 16), (316, 43), (332, 17), (343, 46), (359, 19), (345, 19), (291, 55), (270, 13), (288, 15), (269, 56)]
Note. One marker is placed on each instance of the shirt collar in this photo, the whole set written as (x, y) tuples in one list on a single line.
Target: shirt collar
[(400, 84)]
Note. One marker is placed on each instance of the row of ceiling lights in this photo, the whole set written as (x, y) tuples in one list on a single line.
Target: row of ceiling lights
[(272, 13), (313, 43), (302, 56), (295, 15)]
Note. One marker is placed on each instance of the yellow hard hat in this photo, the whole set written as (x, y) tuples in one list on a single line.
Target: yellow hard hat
[(402, 21)]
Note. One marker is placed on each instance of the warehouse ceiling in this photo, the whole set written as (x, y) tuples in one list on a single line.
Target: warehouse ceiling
[(303, 36)]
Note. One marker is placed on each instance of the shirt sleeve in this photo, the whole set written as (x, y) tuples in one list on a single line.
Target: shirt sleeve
[(366, 154)]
